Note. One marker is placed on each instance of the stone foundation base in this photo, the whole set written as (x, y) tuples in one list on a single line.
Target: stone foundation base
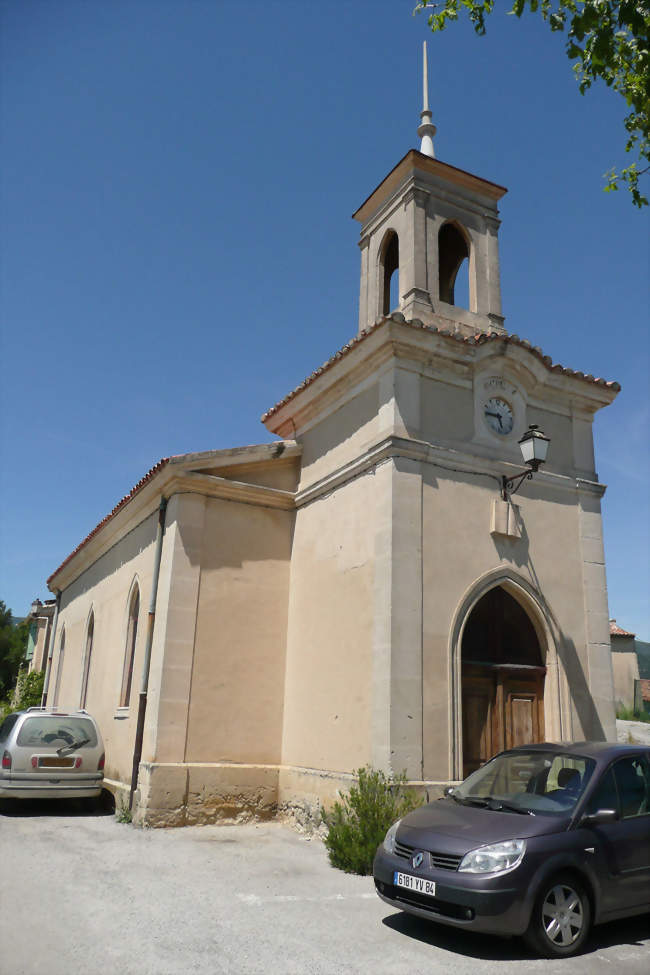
[(119, 790), (193, 794)]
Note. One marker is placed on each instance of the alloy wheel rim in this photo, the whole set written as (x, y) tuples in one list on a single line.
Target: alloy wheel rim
[(562, 916)]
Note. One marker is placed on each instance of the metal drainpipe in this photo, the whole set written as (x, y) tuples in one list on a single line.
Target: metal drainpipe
[(144, 684), (50, 650)]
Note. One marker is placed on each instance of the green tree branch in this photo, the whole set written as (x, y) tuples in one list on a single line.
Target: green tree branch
[(607, 40)]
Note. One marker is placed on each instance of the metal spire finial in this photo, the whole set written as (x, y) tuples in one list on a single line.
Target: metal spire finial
[(426, 129)]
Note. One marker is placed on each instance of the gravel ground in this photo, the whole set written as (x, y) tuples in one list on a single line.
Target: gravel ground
[(635, 732), (81, 892)]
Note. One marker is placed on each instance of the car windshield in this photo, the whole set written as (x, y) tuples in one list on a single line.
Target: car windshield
[(56, 731), (545, 783)]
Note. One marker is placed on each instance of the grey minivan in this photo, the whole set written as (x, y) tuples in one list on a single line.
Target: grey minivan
[(542, 841), (48, 753)]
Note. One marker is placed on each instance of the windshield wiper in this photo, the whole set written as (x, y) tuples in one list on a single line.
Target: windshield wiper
[(473, 801), (464, 800), (491, 802), (72, 747), (504, 804)]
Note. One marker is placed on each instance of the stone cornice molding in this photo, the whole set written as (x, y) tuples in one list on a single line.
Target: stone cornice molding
[(445, 458), (585, 486), (213, 486), (230, 456), (419, 294), (417, 194)]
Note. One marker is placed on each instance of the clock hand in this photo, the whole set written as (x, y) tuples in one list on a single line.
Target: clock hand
[(488, 413)]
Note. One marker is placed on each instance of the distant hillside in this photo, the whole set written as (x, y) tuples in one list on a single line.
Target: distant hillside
[(643, 656)]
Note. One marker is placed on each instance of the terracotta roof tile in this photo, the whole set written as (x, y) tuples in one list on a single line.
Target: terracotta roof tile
[(127, 497), (616, 630), (478, 339)]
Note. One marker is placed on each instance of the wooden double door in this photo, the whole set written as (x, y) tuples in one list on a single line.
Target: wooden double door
[(503, 706)]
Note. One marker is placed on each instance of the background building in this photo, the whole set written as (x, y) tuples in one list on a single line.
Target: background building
[(40, 620)]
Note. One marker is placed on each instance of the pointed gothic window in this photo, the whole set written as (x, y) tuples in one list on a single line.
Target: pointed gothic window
[(90, 632), (129, 653), (390, 269), (500, 632), (453, 252)]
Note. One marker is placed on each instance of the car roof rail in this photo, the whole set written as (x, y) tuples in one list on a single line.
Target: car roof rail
[(36, 708)]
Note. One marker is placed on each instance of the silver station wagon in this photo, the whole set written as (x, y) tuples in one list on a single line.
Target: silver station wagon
[(50, 754)]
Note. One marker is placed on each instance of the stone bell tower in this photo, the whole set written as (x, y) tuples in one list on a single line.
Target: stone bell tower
[(422, 222)]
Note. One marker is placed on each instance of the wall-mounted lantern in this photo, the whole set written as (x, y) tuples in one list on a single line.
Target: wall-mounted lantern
[(534, 448)]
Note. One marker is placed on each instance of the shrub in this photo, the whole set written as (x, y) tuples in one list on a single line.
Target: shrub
[(29, 690), (123, 812), (26, 694), (358, 824), (629, 714)]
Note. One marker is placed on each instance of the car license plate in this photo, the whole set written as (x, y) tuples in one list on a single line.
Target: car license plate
[(55, 762), (418, 884)]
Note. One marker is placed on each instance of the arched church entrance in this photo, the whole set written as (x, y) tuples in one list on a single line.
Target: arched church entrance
[(502, 679)]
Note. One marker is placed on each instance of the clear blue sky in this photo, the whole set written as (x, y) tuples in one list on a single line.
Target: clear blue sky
[(177, 249)]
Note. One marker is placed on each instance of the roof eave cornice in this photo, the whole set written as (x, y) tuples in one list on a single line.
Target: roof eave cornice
[(414, 161), (131, 512), (174, 476), (394, 336)]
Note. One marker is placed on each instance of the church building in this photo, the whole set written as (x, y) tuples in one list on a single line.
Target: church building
[(383, 584)]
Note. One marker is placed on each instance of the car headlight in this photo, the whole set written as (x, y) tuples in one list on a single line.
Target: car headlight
[(495, 858), (389, 839)]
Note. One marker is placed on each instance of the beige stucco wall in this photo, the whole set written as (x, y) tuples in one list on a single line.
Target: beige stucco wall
[(215, 703), (215, 694), (559, 428), (237, 689), (446, 412), (327, 691), (340, 436), (104, 588)]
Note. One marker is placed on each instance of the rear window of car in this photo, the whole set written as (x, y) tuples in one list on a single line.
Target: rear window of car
[(56, 731)]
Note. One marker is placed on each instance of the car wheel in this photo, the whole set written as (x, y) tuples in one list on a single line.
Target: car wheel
[(561, 918)]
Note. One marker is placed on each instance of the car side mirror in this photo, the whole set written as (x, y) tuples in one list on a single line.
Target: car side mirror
[(449, 791), (599, 818)]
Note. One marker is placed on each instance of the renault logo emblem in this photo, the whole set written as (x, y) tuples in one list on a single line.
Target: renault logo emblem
[(417, 860)]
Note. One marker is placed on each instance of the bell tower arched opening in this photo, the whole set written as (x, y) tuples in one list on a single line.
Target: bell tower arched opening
[(503, 675), (453, 254), (389, 261)]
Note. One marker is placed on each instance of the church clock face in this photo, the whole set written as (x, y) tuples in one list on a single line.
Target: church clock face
[(498, 415)]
